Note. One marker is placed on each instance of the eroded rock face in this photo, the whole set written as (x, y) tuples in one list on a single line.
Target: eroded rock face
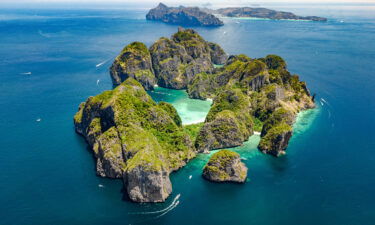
[(225, 166), (143, 185), (228, 124), (218, 55), (269, 89), (176, 61), (134, 61), (188, 16), (136, 139), (276, 140)]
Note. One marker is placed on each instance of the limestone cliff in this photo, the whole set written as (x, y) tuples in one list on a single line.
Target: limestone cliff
[(177, 60), (136, 139), (134, 61), (264, 86)]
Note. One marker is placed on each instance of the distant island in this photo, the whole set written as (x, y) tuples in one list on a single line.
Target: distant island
[(195, 16), (140, 141), (187, 16), (263, 13)]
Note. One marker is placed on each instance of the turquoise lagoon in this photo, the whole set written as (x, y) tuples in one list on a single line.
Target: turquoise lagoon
[(53, 59)]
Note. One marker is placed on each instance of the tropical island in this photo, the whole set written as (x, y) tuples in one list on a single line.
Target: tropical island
[(142, 142), (195, 16), (186, 16), (263, 13)]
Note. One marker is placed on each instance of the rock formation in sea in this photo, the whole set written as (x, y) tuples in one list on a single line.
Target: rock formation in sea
[(140, 141), (245, 90), (186, 16), (262, 13), (225, 166), (170, 62), (135, 139), (134, 61)]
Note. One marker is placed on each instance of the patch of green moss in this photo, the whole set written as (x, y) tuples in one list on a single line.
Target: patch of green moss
[(275, 62), (143, 73), (172, 112), (267, 141), (193, 130), (223, 156), (219, 161), (258, 125), (78, 115), (136, 47)]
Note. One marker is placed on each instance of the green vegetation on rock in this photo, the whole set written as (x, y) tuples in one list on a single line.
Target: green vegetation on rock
[(129, 131), (193, 129), (225, 166)]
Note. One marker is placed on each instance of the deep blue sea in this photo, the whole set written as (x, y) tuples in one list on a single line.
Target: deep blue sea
[(53, 59)]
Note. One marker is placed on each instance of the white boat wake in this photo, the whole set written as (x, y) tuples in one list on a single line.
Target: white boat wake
[(27, 73), (174, 206), (174, 203), (101, 64), (97, 82)]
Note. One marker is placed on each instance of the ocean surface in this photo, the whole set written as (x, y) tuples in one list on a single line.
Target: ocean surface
[(53, 59)]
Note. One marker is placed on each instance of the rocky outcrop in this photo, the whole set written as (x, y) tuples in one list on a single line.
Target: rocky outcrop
[(136, 139), (268, 88), (263, 13), (187, 16), (275, 141), (218, 55), (134, 61), (228, 123), (176, 61), (225, 166)]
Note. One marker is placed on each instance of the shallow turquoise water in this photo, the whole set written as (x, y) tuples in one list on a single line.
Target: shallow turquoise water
[(47, 175), (190, 110)]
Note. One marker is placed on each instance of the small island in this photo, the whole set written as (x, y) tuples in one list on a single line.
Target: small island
[(186, 16), (142, 142), (263, 13), (225, 166)]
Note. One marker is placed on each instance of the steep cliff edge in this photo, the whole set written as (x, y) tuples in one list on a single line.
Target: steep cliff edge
[(134, 138), (134, 61), (263, 86)]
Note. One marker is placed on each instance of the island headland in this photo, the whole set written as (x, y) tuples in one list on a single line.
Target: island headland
[(186, 16), (140, 141), (195, 16), (263, 13)]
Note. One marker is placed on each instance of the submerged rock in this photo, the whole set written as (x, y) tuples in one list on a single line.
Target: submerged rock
[(187, 16), (134, 61), (136, 139), (225, 166)]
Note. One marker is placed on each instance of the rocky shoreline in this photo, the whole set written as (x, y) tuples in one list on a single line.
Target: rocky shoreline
[(195, 16), (140, 141)]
